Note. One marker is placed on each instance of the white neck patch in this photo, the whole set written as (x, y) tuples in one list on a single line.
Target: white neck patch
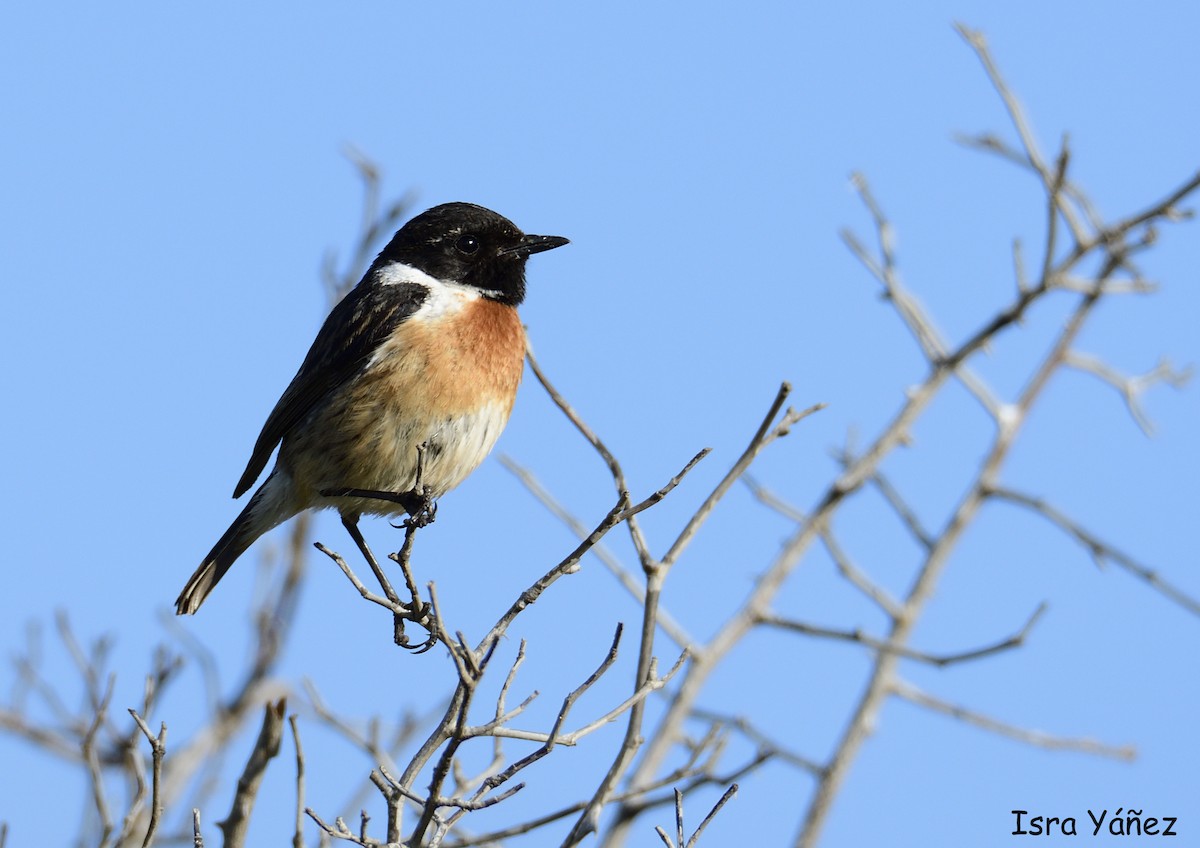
[(445, 297), (398, 272)]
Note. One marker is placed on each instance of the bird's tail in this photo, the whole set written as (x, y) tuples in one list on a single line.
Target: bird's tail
[(270, 507)]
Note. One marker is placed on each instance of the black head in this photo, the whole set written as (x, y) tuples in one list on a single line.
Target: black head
[(470, 245)]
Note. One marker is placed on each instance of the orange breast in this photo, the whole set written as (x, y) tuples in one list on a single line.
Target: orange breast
[(449, 381), (464, 359)]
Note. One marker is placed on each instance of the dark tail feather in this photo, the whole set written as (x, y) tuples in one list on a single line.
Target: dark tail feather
[(240, 535)]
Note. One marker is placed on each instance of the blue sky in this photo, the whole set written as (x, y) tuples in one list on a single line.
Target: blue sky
[(173, 175)]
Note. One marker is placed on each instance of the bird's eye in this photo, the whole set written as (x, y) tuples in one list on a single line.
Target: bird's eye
[(467, 245)]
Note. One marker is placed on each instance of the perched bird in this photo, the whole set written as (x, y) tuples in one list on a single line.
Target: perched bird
[(421, 359)]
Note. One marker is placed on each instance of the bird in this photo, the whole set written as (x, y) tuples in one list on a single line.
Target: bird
[(413, 373)]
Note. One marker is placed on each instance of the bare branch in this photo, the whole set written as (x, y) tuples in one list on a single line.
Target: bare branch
[(31, 682), (638, 800), (667, 622), (367, 742), (679, 817), (265, 748), (1050, 179), (652, 684), (49, 740), (135, 768), (655, 574), (587, 821), (1054, 202), (376, 224), (911, 693), (502, 717), (774, 502), (567, 566), (1019, 272), (452, 726), (298, 834), (393, 794), (858, 578), (768, 431), (1114, 255), (158, 750), (622, 511), (614, 467), (730, 793), (500, 778), (657, 495), (394, 606), (1099, 550), (910, 310), (1165, 209), (901, 507), (991, 143), (92, 757), (886, 647), (662, 834), (363, 821), (1082, 286), (1131, 387), (338, 830), (761, 740), (918, 321)]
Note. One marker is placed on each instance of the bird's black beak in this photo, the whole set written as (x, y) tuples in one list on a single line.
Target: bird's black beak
[(529, 245)]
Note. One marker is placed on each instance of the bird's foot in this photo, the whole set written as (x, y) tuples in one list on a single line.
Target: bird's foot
[(420, 614), (419, 504)]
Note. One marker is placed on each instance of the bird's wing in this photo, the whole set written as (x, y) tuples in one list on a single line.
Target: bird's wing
[(354, 329)]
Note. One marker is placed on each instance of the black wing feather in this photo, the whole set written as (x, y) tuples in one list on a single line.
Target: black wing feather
[(354, 329)]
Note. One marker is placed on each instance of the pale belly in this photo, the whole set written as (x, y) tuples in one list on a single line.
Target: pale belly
[(379, 452)]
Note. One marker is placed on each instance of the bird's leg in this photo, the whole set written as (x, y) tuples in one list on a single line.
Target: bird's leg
[(422, 613), (417, 612), (420, 507), (350, 522), (418, 518)]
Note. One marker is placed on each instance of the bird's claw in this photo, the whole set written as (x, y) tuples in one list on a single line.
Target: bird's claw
[(421, 614), (420, 506)]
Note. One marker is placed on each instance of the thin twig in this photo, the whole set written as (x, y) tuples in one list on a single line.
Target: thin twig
[(614, 467), (158, 750), (858, 578), (911, 693), (730, 793), (236, 824), (1107, 248), (884, 646), (1100, 551), (394, 606), (500, 778), (622, 511), (761, 740), (92, 759), (1131, 387), (669, 624), (768, 431), (298, 835)]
